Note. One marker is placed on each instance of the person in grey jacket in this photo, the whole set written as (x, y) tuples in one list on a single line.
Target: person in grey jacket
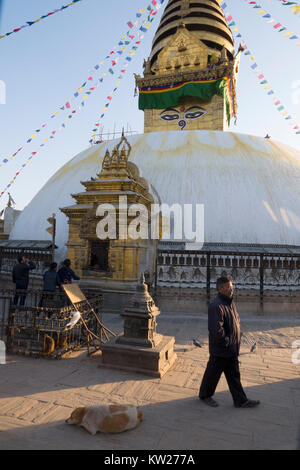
[(51, 278), (224, 348), (20, 277), (51, 281)]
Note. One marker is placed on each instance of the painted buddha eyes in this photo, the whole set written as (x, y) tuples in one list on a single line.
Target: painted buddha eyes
[(171, 114), (198, 112)]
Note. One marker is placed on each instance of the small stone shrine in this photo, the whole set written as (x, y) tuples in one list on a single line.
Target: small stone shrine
[(140, 348)]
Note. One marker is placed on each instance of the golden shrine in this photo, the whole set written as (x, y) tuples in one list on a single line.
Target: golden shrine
[(120, 259)]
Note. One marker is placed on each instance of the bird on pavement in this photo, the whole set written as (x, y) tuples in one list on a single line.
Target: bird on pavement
[(253, 347)]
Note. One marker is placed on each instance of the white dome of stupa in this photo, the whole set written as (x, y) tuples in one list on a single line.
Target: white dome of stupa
[(250, 186)]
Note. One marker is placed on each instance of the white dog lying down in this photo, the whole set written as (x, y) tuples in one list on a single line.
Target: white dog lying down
[(106, 418)]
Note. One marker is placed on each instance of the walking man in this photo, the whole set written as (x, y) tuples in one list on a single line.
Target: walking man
[(224, 347), (20, 277)]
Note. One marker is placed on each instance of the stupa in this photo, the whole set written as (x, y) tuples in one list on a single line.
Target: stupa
[(249, 185)]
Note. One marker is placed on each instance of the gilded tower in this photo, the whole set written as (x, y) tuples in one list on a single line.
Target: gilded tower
[(119, 259), (189, 79)]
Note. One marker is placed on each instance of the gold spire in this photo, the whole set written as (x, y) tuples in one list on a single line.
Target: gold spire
[(205, 18), (192, 44)]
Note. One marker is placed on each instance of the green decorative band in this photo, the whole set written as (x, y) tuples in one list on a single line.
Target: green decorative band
[(168, 96)]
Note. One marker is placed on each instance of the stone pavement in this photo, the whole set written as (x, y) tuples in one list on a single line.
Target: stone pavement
[(37, 395)]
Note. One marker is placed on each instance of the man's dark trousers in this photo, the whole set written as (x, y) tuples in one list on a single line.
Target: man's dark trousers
[(20, 285), (230, 366)]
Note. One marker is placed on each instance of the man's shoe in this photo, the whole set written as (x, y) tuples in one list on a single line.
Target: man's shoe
[(210, 402), (248, 404)]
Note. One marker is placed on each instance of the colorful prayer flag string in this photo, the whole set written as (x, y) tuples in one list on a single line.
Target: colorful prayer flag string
[(30, 23), (295, 7), (276, 25), (157, 4), (260, 75), (46, 141), (125, 41), (53, 133)]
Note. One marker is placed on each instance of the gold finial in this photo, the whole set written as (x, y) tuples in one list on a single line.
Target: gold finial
[(106, 160), (124, 141), (123, 157), (115, 157)]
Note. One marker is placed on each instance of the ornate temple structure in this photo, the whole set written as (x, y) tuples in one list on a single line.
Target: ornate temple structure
[(190, 76), (249, 185), (118, 261)]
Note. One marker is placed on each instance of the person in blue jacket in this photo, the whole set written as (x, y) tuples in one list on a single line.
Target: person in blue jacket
[(65, 274)]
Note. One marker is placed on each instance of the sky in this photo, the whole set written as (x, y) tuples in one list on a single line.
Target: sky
[(42, 66)]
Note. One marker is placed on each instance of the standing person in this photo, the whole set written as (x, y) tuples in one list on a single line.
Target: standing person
[(65, 274), (51, 278), (20, 277), (224, 347), (50, 283)]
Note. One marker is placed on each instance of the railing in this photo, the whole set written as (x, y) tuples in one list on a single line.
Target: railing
[(42, 257), (40, 327), (260, 271), (35, 298)]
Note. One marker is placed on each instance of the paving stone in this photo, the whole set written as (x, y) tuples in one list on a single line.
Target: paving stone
[(36, 396), (17, 406), (35, 413)]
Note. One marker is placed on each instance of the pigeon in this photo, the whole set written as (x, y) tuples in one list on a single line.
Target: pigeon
[(196, 343), (253, 347), (75, 319)]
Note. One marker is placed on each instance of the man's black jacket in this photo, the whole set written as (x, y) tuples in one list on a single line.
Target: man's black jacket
[(20, 273), (224, 327)]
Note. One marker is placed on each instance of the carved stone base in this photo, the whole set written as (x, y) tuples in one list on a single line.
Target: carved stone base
[(154, 362), (141, 343)]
